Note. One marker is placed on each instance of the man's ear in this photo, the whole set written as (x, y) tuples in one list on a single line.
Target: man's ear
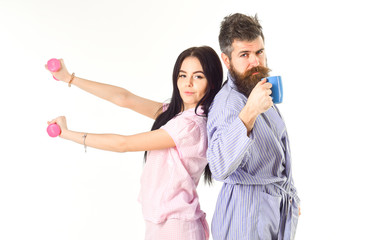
[(226, 60)]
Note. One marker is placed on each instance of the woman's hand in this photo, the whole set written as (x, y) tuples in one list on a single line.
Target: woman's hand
[(62, 74), (61, 121)]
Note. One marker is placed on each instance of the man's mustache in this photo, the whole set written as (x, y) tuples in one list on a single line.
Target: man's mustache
[(262, 71)]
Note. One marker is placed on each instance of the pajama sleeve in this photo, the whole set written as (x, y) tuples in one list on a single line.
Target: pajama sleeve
[(228, 142), (189, 135)]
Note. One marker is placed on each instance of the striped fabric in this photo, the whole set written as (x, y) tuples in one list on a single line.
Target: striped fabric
[(258, 199)]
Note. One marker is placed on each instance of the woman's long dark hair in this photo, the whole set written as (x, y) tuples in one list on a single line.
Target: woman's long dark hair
[(213, 72)]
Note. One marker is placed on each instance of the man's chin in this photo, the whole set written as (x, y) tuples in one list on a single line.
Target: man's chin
[(246, 85), (247, 81)]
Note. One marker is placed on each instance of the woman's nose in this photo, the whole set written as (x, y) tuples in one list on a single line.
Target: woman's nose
[(189, 81)]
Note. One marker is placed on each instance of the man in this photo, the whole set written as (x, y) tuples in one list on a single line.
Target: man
[(248, 144)]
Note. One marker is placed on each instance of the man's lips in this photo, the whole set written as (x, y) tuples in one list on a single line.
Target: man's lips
[(256, 73)]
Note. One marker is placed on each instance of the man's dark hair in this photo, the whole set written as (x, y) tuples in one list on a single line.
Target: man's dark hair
[(238, 27)]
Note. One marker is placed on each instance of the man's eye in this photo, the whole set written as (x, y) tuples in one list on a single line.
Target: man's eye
[(244, 55), (260, 52)]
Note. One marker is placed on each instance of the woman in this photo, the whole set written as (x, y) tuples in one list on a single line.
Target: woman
[(176, 145)]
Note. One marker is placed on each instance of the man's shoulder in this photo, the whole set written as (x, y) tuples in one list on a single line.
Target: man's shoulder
[(228, 97)]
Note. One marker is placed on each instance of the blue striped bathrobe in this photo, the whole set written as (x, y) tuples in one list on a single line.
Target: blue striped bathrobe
[(258, 199)]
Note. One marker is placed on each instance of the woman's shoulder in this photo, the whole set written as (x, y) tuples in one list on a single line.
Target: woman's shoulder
[(187, 128), (188, 120), (195, 116)]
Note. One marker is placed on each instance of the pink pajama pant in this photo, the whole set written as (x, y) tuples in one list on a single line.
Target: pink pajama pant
[(176, 229)]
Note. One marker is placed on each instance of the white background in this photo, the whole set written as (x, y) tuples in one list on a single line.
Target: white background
[(328, 53)]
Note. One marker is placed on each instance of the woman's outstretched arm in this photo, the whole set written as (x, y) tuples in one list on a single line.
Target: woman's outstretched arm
[(153, 140), (114, 94)]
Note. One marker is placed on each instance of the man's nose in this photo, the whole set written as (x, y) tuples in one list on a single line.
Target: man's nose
[(253, 60)]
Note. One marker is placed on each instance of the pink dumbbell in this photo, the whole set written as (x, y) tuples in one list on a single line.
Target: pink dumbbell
[(54, 65), (53, 130)]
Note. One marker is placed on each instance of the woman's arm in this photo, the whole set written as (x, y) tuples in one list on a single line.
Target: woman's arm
[(121, 97), (114, 94), (153, 140)]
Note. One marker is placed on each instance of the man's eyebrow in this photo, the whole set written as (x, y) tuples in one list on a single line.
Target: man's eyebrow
[(262, 49), (248, 51), (244, 51)]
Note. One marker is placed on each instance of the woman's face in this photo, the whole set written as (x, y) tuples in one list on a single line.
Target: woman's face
[(191, 82)]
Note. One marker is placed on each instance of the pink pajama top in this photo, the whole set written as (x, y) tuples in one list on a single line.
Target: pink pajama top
[(170, 176)]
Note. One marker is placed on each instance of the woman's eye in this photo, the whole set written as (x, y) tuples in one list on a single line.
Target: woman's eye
[(198, 77), (182, 76)]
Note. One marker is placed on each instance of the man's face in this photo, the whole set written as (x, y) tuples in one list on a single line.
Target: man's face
[(247, 64), (246, 55)]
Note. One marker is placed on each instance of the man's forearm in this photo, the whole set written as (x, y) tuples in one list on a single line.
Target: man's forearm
[(248, 116)]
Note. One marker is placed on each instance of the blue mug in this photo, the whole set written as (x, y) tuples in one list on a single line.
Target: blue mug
[(277, 90)]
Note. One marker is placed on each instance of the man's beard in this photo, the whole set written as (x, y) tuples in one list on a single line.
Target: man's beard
[(246, 81)]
